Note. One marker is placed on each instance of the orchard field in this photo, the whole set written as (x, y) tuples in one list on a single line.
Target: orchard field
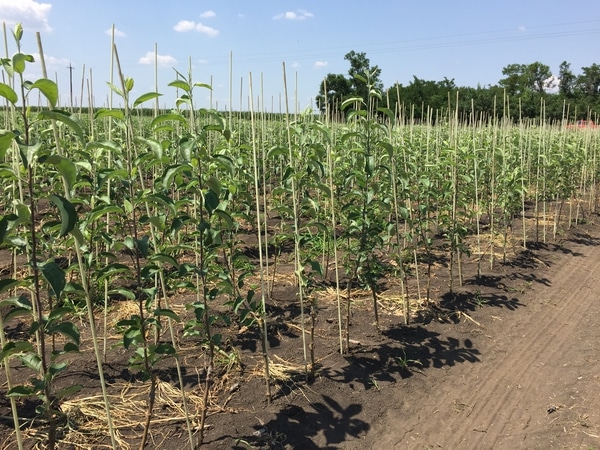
[(192, 277)]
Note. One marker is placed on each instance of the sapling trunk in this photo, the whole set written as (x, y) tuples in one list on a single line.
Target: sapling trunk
[(264, 195), (9, 385), (332, 203), (263, 285), (297, 259)]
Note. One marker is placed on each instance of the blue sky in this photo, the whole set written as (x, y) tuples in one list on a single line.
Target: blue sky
[(465, 40)]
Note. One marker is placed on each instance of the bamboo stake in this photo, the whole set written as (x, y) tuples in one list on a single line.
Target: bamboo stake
[(298, 267), (264, 341), (331, 169)]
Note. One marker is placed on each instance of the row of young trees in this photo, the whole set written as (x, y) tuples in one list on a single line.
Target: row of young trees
[(527, 90)]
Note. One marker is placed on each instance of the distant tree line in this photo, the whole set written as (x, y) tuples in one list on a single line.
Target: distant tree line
[(527, 91)]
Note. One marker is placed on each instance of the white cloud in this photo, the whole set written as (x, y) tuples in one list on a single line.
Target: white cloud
[(299, 14), (188, 25), (320, 64), (53, 64), (162, 60), (207, 14), (118, 33), (52, 61), (209, 31), (551, 84), (184, 25), (522, 28), (33, 15), (295, 64)]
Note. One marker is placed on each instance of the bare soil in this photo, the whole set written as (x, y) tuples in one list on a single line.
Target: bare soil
[(509, 360)]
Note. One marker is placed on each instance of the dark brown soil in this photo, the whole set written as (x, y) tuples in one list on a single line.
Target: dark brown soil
[(510, 360)]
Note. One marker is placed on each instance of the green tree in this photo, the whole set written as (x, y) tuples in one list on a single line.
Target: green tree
[(421, 95), (360, 66), (514, 83), (339, 87), (566, 86), (538, 77), (522, 78), (588, 83)]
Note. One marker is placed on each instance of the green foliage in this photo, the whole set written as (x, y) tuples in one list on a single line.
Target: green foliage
[(337, 88), (527, 87)]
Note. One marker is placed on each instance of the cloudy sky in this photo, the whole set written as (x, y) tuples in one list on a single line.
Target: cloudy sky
[(465, 40)]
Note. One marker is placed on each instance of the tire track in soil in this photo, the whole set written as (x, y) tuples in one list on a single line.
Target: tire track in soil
[(503, 401), (527, 369)]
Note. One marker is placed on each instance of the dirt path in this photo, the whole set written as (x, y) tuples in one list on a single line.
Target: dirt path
[(537, 384)]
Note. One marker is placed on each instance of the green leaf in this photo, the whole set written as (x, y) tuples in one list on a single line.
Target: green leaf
[(143, 245), (70, 347), (129, 83), (9, 283), (277, 151), (103, 210), (78, 235), (3, 228), (20, 391), (167, 313), (116, 90), (223, 215), (159, 120), (13, 348), (48, 88), (106, 145), (204, 85), (68, 119), (16, 312), (121, 174), (111, 270), (316, 267), (31, 360), (68, 329), (19, 60), (65, 167), (352, 101), (171, 172), (183, 100), (164, 349), (179, 84), (18, 32), (20, 301), (59, 313), (145, 97), (214, 184), (132, 336), (27, 152), (125, 293), (168, 259), (70, 390), (68, 214), (152, 144), (56, 368), (7, 92), (211, 201), (54, 275), (115, 113)]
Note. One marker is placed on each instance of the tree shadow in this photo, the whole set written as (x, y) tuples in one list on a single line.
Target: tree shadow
[(412, 349), (277, 328), (584, 239), (297, 426), (453, 302)]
